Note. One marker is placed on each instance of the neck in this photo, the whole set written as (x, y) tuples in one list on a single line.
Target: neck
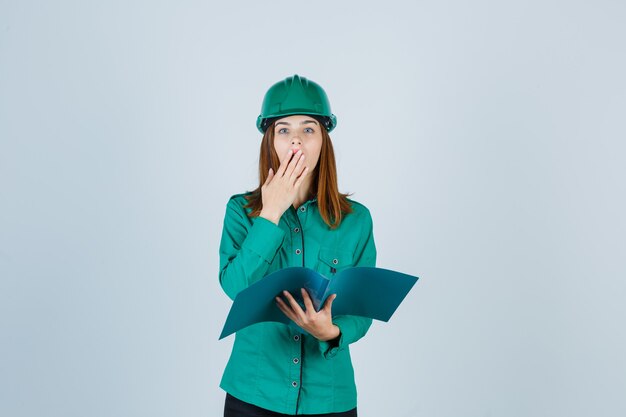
[(303, 193)]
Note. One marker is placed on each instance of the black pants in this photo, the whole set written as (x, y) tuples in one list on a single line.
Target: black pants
[(234, 407)]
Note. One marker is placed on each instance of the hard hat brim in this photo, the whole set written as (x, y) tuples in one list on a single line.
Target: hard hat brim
[(261, 119)]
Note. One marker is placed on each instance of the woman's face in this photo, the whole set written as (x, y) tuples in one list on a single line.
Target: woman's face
[(299, 132)]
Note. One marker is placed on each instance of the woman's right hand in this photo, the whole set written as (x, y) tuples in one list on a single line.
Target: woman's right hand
[(281, 188)]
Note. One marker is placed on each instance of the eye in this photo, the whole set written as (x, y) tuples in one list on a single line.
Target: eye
[(281, 130), (309, 130)]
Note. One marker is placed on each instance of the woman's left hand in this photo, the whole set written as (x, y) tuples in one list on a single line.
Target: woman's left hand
[(318, 323)]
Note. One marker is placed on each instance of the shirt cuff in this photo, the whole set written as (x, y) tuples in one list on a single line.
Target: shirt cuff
[(264, 238), (330, 348)]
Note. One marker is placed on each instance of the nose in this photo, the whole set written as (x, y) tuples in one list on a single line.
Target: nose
[(296, 140)]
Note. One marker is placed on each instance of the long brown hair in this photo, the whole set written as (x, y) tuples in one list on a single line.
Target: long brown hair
[(332, 204)]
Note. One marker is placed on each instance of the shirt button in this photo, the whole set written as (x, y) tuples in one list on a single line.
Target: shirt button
[(296, 229), (302, 209), (298, 251), (294, 384), (296, 360), (335, 261), (296, 337)]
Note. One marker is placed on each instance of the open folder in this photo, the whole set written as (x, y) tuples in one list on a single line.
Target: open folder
[(361, 291)]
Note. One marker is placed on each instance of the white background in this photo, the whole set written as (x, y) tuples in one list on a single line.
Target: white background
[(486, 137)]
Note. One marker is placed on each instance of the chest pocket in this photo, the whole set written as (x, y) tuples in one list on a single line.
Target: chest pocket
[(333, 260)]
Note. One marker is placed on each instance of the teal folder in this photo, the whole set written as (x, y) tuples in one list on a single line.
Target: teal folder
[(361, 291)]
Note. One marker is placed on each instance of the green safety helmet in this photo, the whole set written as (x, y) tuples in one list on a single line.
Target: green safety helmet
[(295, 95)]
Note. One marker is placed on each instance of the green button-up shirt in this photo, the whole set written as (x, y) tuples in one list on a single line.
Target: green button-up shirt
[(273, 365)]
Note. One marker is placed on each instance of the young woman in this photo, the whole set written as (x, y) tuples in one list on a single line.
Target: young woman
[(295, 217)]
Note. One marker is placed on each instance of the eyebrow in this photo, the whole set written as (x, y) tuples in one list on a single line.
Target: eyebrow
[(302, 123)]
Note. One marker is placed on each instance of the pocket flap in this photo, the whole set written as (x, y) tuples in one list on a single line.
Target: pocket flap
[(335, 258)]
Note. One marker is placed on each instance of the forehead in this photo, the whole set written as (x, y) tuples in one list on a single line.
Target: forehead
[(296, 119)]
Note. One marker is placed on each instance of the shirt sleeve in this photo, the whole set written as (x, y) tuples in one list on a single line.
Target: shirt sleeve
[(353, 328), (247, 248)]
